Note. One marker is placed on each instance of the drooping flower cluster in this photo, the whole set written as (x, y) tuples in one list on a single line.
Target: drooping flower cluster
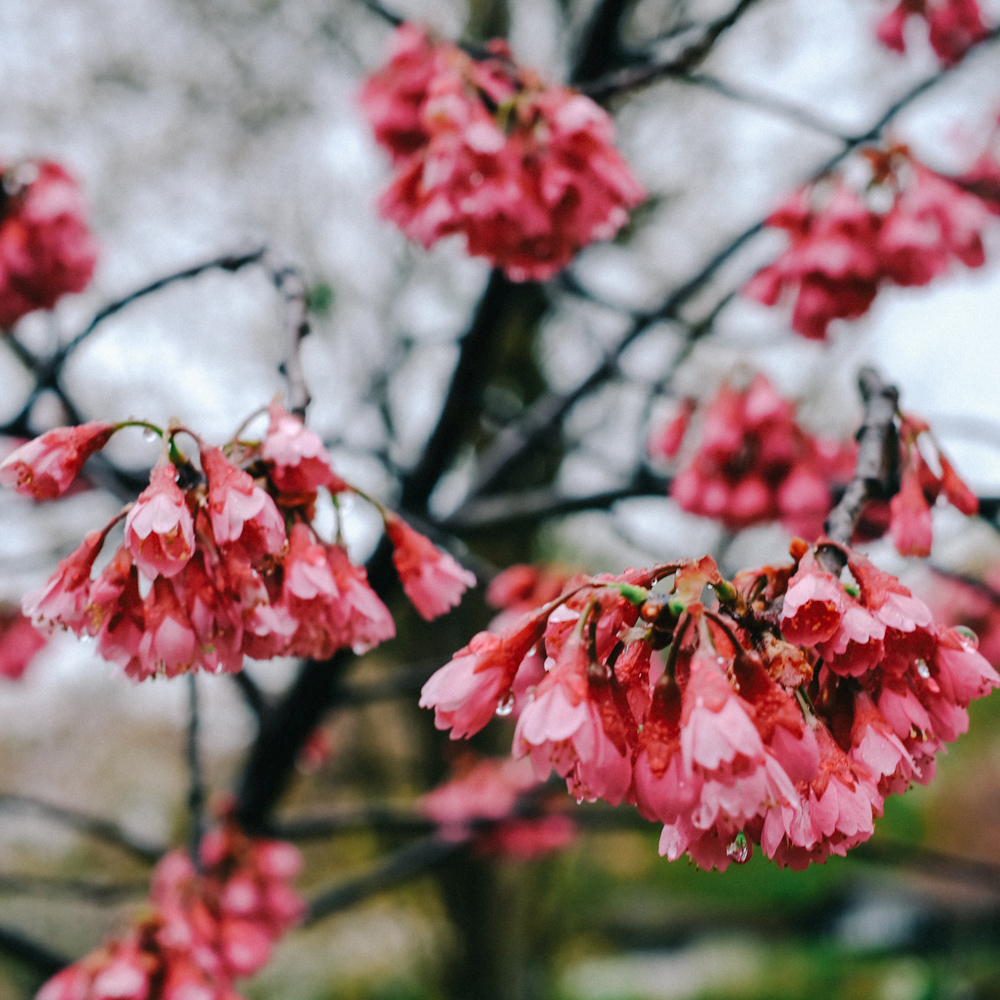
[(46, 249), (528, 173), (755, 463), (487, 799), (201, 931), (782, 716), (843, 250), (240, 903), (221, 562), (953, 26)]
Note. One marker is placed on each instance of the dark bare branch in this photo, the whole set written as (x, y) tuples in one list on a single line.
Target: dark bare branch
[(92, 826), (692, 55), (406, 863), (876, 475), (229, 262)]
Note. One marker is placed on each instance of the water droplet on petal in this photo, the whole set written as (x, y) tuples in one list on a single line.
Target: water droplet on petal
[(967, 637), (923, 669), (740, 849), (507, 705)]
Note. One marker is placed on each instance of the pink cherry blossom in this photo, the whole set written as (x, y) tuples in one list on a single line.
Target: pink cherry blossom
[(432, 579), (159, 529), (19, 642), (63, 599), (527, 186), (46, 466), (240, 508), (301, 463), (467, 691)]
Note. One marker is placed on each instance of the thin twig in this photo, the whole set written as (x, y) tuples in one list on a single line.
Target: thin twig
[(196, 792), (766, 102), (384, 819), (92, 826), (289, 283), (98, 893), (387, 15), (229, 262), (503, 510)]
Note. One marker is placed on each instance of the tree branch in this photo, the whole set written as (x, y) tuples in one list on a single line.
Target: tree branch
[(876, 475), (633, 77), (229, 262), (464, 394), (541, 418), (196, 788), (36, 956), (406, 863), (92, 826), (504, 510)]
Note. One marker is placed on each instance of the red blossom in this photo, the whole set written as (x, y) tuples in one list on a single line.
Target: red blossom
[(45, 467), (954, 26), (434, 582), (755, 463), (46, 250), (528, 173), (842, 250), (783, 719), (159, 529), (19, 642)]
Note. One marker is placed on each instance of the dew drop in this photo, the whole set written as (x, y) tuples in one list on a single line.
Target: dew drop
[(740, 849), (149, 434), (507, 705), (967, 637), (923, 669)]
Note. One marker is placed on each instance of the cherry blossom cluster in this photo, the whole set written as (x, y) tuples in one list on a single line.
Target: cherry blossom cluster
[(484, 800), (843, 249), (784, 712), (527, 172), (221, 561), (755, 463), (201, 930), (953, 26), (46, 249)]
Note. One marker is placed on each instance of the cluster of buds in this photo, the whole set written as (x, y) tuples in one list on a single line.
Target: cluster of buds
[(497, 803), (784, 711), (754, 463), (201, 930), (222, 561), (46, 249), (843, 249), (527, 172), (953, 26)]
